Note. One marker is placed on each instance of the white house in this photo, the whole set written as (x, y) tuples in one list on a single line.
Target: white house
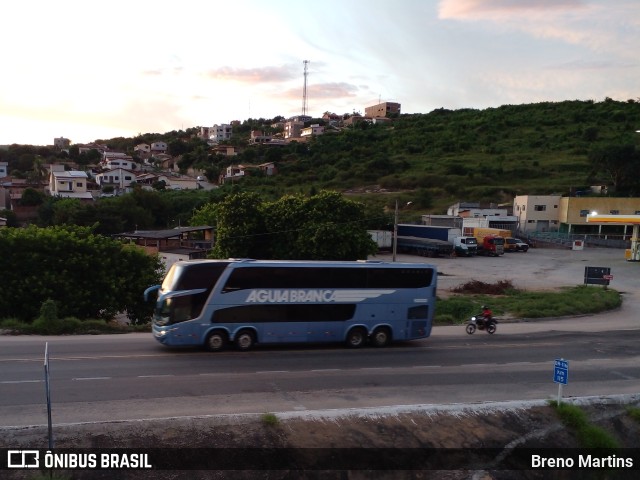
[(123, 162), (118, 178), (221, 132), (314, 129), (69, 184)]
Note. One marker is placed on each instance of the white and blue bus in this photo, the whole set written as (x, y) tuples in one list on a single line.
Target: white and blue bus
[(215, 303)]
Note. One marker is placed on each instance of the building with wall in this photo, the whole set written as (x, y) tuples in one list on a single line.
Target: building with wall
[(384, 109), (219, 133), (568, 215), (537, 213), (311, 130), (293, 128), (573, 212), (61, 143)]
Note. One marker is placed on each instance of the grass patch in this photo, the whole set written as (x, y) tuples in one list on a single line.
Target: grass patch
[(634, 413), (587, 434), (270, 419), (579, 300)]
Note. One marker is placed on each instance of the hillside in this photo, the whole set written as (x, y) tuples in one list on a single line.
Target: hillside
[(435, 159)]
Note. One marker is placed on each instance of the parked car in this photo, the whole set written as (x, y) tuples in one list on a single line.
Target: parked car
[(515, 245)]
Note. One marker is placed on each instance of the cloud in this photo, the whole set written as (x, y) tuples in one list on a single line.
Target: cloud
[(499, 9), (270, 74), (329, 91)]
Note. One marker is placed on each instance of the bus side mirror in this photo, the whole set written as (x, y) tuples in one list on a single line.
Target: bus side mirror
[(149, 291)]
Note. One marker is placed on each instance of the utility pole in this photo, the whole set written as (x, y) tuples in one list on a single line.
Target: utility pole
[(305, 101)]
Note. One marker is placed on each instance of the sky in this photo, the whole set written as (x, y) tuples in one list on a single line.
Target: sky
[(87, 70)]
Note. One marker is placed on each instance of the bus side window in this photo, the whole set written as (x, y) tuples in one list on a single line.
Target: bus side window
[(421, 311)]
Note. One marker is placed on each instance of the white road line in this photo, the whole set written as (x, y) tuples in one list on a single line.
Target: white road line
[(82, 379), (326, 370), (22, 381), (155, 376), (273, 371), (620, 374)]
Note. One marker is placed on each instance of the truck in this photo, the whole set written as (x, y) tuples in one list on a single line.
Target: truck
[(480, 232), (490, 240), (465, 246), (491, 245), (515, 245), (383, 238), (433, 241)]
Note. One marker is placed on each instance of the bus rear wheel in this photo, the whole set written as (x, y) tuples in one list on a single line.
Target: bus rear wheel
[(381, 337), (356, 337), (216, 341), (245, 340)]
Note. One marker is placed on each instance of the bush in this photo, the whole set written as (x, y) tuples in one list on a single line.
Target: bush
[(15, 326)]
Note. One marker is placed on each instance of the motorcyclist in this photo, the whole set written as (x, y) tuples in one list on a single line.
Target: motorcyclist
[(486, 314)]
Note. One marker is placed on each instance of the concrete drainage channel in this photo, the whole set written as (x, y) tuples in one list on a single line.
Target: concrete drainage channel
[(496, 429)]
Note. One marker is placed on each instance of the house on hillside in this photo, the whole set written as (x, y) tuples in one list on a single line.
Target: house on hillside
[(121, 162), (158, 147), (237, 172), (118, 178), (384, 109), (143, 150), (69, 184), (312, 130)]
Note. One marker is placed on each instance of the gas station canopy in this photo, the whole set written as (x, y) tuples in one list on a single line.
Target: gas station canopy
[(633, 254)]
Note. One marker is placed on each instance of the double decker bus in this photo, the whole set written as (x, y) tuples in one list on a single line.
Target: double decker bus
[(241, 302)]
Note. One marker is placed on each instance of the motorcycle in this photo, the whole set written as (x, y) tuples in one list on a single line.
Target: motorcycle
[(480, 323)]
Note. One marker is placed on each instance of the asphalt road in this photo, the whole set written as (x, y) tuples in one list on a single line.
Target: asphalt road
[(124, 377)]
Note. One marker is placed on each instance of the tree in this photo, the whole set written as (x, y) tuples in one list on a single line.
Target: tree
[(620, 164), (325, 226), (87, 275), (10, 216), (240, 228), (32, 197)]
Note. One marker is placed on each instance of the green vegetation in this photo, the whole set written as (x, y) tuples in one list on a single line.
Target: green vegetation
[(522, 304), (270, 419), (433, 159), (588, 435), (634, 412), (325, 226), (71, 272)]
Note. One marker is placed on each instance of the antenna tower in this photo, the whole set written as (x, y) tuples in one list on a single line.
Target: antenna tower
[(305, 101)]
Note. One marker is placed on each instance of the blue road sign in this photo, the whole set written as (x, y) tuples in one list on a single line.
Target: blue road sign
[(561, 371)]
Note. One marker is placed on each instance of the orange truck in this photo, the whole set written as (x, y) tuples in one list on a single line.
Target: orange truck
[(490, 240)]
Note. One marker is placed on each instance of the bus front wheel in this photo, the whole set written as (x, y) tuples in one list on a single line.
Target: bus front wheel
[(245, 340), (356, 337), (381, 337), (216, 341)]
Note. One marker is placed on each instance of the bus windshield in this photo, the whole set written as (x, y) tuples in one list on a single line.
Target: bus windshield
[(185, 290)]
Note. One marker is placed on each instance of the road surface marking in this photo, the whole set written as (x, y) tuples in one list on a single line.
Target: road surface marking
[(22, 381), (81, 379)]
